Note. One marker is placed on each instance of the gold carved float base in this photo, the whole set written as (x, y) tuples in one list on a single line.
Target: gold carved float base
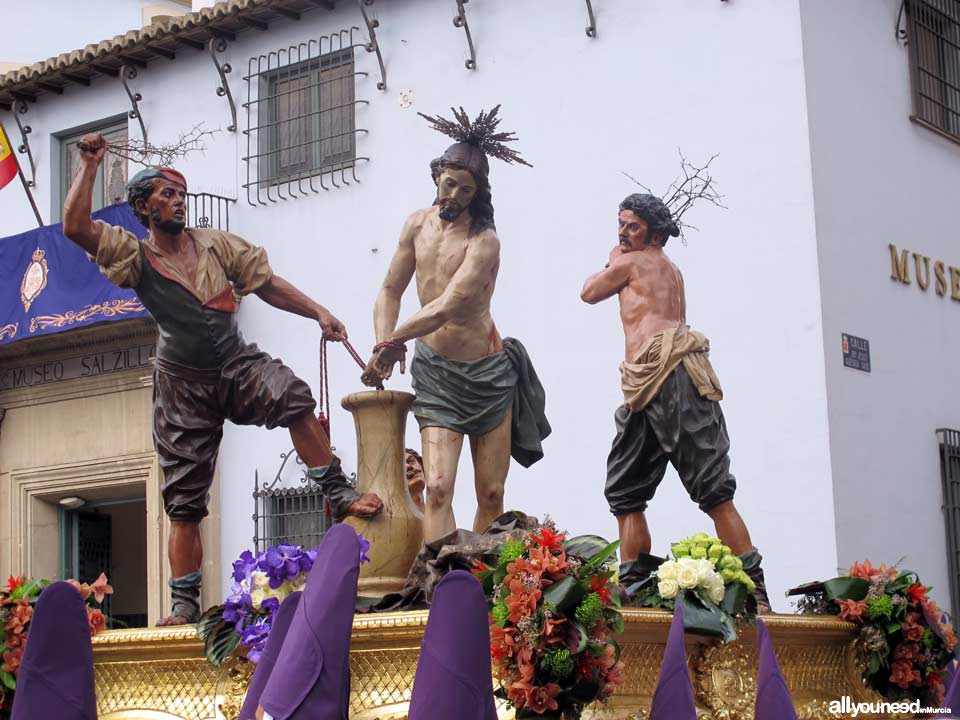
[(161, 673)]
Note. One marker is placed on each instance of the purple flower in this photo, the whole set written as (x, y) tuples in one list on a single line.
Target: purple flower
[(236, 607), (364, 546), (244, 566), (285, 562), (255, 638)]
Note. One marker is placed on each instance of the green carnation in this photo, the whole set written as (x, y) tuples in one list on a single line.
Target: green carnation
[(881, 607), (501, 614), (715, 552), (742, 577), (731, 562), (588, 612), (512, 549), (680, 550), (559, 663), (700, 537), (698, 552), (728, 575), (928, 639)]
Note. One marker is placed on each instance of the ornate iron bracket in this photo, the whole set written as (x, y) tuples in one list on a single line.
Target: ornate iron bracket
[(901, 19), (592, 27), (219, 45), (129, 72), (373, 45), (461, 21), (25, 141), (285, 457)]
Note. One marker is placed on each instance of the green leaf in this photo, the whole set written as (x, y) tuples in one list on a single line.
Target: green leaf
[(209, 620), (564, 594), (585, 546), (845, 588), (602, 556), (735, 599), (220, 643), (705, 618), (584, 637), (8, 679), (892, 628), (873, 666), (614, 620)]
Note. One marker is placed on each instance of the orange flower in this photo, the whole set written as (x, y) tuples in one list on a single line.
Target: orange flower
[(862, 570), (11, 660), (852, 610), (13, 583), (548, 539), (552, 631), (504, 641), (525, 664), (541, 699), (521, 601), (83, 589), (912, 632), (916, 593), (949, 638), (100, 588), (96, 620), (479, 567), (599, 586), (522, 566), (614, 676), (517, 692)]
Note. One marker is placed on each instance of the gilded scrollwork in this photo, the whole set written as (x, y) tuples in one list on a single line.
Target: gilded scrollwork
[(107, 309), (232, 688), (726, 681), (9, 331)]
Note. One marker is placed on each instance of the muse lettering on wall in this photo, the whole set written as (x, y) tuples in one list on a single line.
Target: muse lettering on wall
[(945, 277), (81, 366)]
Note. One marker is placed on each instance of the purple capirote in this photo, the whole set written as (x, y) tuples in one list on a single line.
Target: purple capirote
[(773, 696), (311, 678), (56, 673), (268, 659), (453, 677), (952, 697), (673, 698)]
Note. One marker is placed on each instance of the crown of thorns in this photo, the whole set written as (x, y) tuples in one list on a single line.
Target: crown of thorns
[(481, 133)]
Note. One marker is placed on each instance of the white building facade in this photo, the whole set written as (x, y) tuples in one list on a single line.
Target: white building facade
[(808, 108)]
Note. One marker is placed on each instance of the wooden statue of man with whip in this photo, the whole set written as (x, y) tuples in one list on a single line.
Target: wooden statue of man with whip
[(188, 278), (467, 380), (671, 411)]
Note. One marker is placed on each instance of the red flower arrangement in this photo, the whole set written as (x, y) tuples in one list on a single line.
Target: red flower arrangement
[(16, 611), (905, 639), (553, 613)]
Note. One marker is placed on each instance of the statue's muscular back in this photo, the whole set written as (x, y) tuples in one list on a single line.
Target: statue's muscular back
[(653, 298), (441, 249)]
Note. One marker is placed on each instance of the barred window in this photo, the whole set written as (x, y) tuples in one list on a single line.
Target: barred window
[(934, 44), (950, 477), (302, 119)]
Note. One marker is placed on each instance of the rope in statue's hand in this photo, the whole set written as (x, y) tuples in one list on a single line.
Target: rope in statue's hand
[(380, 367), (324, 400)]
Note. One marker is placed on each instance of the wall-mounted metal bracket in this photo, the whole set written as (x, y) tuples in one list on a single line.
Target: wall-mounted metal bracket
[(373, 45), (901, 23), (461, 21), (24, 148), (129, 72), (219, 45), (592, 27)]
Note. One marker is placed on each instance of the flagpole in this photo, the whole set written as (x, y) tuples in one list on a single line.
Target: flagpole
[(23, 180)]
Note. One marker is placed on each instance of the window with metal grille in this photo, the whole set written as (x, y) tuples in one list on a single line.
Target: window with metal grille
[(933, 32), (950, 475), (301, 119)]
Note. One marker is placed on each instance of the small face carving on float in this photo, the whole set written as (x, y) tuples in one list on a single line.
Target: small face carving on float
[(455, 191)]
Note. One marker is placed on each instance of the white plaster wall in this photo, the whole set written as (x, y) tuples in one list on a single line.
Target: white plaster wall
[(707, 77), (880, 179)]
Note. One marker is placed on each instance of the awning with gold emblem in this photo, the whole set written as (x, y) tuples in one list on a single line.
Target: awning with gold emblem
[(47, 284)]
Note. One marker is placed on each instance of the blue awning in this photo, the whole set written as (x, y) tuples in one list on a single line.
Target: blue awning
[(47, 284)]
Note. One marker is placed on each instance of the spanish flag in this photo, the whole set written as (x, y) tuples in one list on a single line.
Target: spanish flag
[(8, 162)]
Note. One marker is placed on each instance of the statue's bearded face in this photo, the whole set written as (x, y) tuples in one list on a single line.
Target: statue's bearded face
[(455, 191), (166, 207), (632, 231)]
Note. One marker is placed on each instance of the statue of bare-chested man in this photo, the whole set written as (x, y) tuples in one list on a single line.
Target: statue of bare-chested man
[(671, 411), (467, 380)]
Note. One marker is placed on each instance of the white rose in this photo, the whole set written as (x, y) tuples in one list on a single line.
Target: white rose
[(260, 580), (668, 589), (705, 571), (687, 576), (717, 591), (257, 597), (667, 571)]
